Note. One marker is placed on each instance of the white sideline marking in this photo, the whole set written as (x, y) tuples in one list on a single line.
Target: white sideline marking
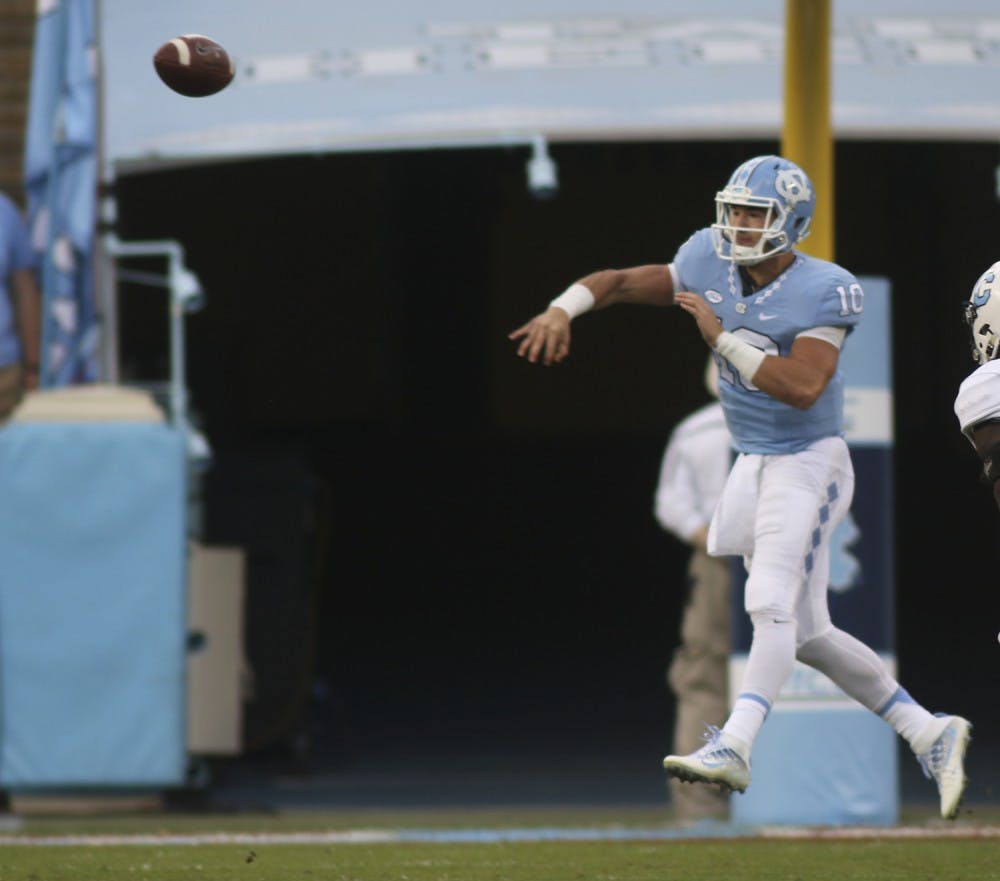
[(849, 832), (358, 836), (492, 836)]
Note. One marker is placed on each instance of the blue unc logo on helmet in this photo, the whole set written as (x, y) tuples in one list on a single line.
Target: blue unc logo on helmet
[(982, 315), (776, 185), (793, 186), (983, 290)]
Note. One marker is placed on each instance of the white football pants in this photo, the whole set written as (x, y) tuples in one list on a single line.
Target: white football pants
[(800, 499)]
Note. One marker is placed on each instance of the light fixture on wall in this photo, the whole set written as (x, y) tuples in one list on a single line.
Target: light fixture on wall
[(543, 177)]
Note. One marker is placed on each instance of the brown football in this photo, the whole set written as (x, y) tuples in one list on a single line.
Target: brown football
[(194, 65)]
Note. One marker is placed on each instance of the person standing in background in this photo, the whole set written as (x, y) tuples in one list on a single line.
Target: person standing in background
[(20, 309), (695, 465)]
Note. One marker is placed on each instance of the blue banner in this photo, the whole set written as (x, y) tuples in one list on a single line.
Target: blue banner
[(60, 171), (92, 605)]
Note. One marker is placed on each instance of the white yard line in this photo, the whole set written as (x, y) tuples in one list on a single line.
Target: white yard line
[(488, 836)]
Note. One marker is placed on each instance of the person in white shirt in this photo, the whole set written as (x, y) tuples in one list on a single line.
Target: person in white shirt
[(695, 465)]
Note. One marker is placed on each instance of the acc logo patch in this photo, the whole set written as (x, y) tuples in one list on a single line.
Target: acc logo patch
[(713, 296)]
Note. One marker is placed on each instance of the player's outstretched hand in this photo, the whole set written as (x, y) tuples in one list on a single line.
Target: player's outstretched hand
[(545, 337), (708, 323)]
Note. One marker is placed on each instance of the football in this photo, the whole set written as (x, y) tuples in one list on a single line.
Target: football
[(194, 65)]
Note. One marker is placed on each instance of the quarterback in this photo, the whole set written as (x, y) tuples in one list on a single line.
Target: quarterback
[(776, 320)]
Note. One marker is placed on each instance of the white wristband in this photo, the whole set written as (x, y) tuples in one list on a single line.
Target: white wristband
[(575, 300), (744, 357)]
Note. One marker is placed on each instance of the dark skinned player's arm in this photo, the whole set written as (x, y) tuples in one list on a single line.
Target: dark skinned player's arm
[(986, 440)]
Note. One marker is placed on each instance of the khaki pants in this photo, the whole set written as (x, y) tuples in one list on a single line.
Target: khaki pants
[(11, 389), (698, 677)]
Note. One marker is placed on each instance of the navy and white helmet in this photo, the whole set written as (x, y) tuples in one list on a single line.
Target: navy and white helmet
[(769, 182), (982, 314)]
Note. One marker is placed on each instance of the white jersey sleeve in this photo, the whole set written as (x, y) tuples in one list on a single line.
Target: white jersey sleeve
[(978, 397), (832, 335)]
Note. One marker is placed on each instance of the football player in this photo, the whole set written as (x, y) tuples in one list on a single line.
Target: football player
[(978, 403), (775, 320)]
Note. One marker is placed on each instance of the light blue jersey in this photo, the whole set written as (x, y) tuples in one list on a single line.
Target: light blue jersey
[(810, 293)]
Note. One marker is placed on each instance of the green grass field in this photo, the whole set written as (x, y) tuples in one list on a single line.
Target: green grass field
[(922, 855), (552, 861)]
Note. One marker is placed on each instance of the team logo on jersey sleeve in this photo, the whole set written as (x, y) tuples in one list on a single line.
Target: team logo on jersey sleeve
[(713, 296)]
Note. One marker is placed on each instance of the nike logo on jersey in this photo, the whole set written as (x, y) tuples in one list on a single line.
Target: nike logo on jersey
[(765, 317)]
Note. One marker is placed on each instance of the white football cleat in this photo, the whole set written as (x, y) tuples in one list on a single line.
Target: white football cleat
[(723, 760), (944, 762)]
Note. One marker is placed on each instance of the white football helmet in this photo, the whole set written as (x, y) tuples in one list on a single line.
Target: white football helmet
[(982, 314), (769, 182)]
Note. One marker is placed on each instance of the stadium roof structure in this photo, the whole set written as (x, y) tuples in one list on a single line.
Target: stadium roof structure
[(390, 74)]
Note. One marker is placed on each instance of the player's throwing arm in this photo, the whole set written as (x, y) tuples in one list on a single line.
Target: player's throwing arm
[(546, 337)]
